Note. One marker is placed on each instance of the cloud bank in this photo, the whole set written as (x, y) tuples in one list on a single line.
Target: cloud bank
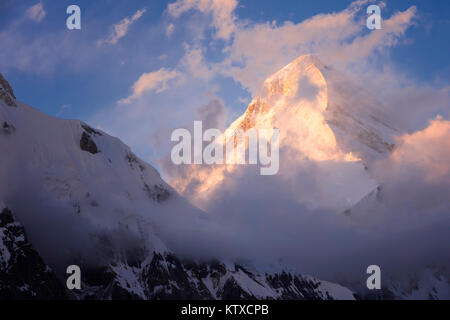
[(403, 227), (269, 220)]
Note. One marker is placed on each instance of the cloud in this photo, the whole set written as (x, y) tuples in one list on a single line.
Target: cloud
[(191, 64), (412, 208), (120, 29), (267, 225), (194, 63), (42, 53), (338, 38), (222, 12), (157, 81), (36, 12), (409, 102), (425, 153), (213, 114), (248, 59), (270, 219), (62, 109), (170, 29)]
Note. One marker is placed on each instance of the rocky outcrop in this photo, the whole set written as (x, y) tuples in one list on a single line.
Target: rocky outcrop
[(86, 141), (90, 130), (166, 277), (23, 273), (147, 276), (87, 144), (7, 128), (6, 92), (133, 161), (157, 193)]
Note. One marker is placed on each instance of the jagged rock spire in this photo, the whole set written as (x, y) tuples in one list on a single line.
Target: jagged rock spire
[(6, 92)]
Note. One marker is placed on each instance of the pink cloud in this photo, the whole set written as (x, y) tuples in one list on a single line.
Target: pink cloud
[(157, 81), (120, 29), (427, 151), (221, 11), (36, 12)]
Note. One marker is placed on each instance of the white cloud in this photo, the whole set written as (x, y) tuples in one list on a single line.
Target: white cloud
[(120, 29), (36, 12), (62, 109), (222, 12), (157, 81)]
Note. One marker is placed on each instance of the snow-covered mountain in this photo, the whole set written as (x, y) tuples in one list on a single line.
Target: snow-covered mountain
[(72, 194), (329, 125), (330, 117), (322, 117)]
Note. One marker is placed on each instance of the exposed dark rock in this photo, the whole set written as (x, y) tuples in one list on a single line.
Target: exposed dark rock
[(87, 144), (91, 130), (6, 92), (23, 273), (383, 294), (232, 291), (7, 128), (133, 161), (77, 207), (166, 277), (162, 276), (94, 203), (157, 193)]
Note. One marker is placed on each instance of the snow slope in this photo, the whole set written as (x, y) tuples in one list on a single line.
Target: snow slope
[(83, 172)]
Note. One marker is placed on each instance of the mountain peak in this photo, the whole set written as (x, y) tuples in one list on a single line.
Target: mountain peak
[(322, 117), (331, 111), (6, 92), (305, 60), (285, 80)]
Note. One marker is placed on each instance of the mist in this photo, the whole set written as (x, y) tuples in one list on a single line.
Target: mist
[(269, 224)]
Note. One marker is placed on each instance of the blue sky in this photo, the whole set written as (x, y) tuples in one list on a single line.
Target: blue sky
[(77, 74)]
